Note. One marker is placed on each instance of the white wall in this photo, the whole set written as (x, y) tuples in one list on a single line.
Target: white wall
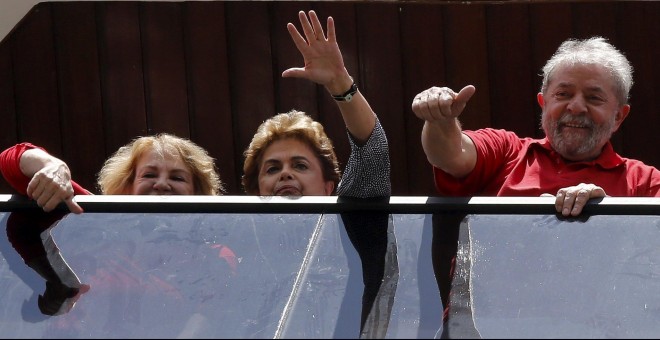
[(12, 11)]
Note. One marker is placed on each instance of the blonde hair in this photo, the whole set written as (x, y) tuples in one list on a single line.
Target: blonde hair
[(293, 124), (118, 172)]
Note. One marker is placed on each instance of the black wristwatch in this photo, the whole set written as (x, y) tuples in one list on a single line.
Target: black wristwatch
[(348, 95)]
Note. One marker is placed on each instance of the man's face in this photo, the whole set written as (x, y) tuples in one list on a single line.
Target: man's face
[(580, 111)]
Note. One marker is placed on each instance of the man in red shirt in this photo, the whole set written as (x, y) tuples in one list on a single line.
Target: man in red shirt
[(583, 99)]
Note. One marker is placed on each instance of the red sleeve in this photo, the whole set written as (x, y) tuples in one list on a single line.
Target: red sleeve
[(10, 167), (495, 148)]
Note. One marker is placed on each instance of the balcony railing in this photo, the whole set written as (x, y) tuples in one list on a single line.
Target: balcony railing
[(328, 267)]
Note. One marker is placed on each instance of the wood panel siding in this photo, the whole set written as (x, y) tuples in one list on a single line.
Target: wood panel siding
[(122, 76), (79, 86), (209, 101), (8, 127), (83, 78)]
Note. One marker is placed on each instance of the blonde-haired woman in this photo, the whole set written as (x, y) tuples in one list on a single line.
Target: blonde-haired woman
[(132, 169), (161, 164)]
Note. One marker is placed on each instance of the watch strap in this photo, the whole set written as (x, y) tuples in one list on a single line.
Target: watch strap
[(348, 95)]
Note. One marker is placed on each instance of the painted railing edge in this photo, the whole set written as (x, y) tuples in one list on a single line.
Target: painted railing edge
[(334, 204)]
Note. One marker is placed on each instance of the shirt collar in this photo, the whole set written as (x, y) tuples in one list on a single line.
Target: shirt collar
[(608, 159)]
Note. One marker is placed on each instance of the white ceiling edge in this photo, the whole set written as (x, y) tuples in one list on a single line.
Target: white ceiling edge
[(12, 11)]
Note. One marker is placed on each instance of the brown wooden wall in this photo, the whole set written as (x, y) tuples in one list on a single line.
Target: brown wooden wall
[(83, 78)]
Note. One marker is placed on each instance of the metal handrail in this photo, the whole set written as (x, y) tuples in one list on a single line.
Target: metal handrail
[(334, 204)]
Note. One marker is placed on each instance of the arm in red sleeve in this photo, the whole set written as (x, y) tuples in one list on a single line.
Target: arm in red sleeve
[(10, 160)]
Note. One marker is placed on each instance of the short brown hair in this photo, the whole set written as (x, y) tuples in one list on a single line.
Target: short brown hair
[(293, 124)]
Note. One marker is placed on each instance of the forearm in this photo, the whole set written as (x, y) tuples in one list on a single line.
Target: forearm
[(448, 148), (358, 116), (34, 160)]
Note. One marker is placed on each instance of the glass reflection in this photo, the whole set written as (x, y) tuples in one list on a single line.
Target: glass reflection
[(156, 275), (30, 235), (536, 276), (372, 235)]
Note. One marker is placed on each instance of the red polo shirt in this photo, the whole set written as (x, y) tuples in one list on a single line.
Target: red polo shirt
[(508, 165), (10, 166)]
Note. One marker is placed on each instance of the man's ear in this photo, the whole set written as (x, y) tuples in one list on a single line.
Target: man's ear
[(540, 100), (621, 115)]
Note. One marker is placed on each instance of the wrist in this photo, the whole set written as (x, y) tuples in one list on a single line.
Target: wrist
[(348, 95), (445, 125), (340, 84), (33, 160)]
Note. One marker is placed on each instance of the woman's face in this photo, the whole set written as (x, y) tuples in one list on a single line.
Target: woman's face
[(157, 174), (289, 167)]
